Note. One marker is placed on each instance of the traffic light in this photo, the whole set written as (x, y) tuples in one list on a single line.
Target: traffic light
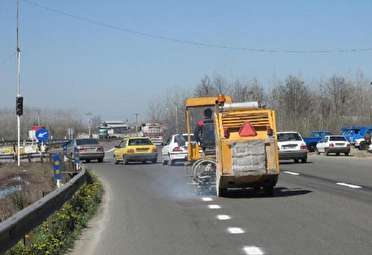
[(19, 106)]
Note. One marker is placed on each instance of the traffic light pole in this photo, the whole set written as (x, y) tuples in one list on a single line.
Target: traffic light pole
[(18, 90)]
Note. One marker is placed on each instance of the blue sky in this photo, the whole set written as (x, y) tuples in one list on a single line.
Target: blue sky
[(75, 65)]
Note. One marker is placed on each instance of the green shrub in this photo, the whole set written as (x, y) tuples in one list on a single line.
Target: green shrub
[(58, 232)]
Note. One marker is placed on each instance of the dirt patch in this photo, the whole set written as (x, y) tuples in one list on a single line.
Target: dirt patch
[(21, 186)]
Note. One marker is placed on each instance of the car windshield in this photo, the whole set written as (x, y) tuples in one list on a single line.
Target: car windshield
[(337, 138), (139, 141), (180, 140), (86, 141), (186, 138), (289, 137)]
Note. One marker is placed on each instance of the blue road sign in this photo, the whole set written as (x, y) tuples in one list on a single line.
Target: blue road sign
[(42, 135), (57, 166)]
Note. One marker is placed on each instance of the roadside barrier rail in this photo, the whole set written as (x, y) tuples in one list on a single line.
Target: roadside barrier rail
[(17, 226)]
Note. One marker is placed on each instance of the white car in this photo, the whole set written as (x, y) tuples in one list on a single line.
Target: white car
[(358, 141), (333, 144), (370, 148), (291, 146), (175, 149)]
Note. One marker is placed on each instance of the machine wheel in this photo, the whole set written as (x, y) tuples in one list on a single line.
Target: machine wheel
[(269, 190), (303, 160), (154, 161), (296, 160), (221, 192), (100, 160), (317, 151), (326, 152), (87, 160), (347, 153), (337, 154)]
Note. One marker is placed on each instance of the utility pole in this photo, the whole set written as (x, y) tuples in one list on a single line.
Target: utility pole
[(176, 119), (19, 99), (89, 114), (136, 118)]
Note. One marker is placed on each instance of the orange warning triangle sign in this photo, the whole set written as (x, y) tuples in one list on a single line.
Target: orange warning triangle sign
[(247, 130)]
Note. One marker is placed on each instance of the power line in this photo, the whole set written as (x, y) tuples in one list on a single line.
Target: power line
[(192, 42)]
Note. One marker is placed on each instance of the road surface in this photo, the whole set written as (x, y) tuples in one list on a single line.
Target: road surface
[(322, 207)]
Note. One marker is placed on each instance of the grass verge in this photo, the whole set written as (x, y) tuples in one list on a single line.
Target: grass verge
[(57, 234)]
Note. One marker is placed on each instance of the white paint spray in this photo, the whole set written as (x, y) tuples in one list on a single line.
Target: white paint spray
[(253, 250), (223, 217), (349, 185), (214, 207), (235, 230)]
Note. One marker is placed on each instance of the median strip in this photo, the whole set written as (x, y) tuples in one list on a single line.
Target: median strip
[(349, 185)]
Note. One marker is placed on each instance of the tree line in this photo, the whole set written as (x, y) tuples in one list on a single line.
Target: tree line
[(56, 121), (326, 104)]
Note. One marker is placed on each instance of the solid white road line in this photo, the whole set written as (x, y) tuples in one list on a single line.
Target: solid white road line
[(223, 217), (235, 230), (253, 250), (206, 199), (292, 173), (214, 207), (349, 185)]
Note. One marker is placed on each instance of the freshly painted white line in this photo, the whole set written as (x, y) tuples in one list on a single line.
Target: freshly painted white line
[(292, 173), (235, 230), (253, 250), (223, 217), (214, 207), (349, 185), (206, 199)]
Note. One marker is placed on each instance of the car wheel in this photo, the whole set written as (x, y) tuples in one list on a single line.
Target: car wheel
[(347, 153), (326, 152), (317, 151), (296, 160), (125, 161), (100, 160), (303, 160), (154, 161), (87, 160), (337, 154), (165, 162)]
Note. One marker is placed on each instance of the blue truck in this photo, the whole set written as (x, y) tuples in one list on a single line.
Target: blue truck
[(314, 138), (355, 133)]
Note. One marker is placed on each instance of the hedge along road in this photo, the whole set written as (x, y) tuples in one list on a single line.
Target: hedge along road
[(152, 210)]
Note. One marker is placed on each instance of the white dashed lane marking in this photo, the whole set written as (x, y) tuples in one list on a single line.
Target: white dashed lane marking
[(292, 173), (207, 199), (253, 250), (235, 230), (223, 217), (214, 207), (349, 185)]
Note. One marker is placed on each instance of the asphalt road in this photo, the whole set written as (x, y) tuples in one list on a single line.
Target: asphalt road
[(153, 210)]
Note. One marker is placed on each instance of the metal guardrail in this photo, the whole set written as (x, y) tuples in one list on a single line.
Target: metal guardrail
[(51, 142), (16, 227)]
